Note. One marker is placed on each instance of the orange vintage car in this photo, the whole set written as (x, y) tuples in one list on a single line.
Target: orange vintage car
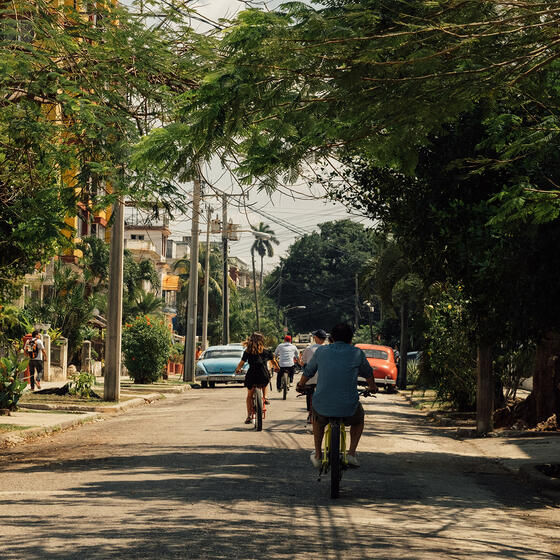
[(382, 360)]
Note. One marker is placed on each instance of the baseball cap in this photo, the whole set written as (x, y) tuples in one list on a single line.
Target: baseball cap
[(320, 333), (287, 338)]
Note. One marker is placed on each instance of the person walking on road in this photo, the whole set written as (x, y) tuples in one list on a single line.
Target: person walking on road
[(287, 355), (258, 374), (319, 338), (337, 394), (35, 351)]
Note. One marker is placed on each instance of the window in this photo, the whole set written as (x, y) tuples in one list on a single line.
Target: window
[(212, 354), (375, 354)]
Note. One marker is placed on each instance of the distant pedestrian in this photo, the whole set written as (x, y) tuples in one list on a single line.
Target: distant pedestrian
[(35, 351), (319, 338), (287, 355)]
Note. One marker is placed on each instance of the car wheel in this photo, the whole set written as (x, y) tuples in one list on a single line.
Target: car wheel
[(389, 388), (204, 384), (211, 384)]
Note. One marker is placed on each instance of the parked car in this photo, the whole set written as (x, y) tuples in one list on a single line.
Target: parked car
[(382, 360), (217, 365)]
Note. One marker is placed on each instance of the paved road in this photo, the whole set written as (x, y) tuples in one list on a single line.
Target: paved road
[(185, 478)]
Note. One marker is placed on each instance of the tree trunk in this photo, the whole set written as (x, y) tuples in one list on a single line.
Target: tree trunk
[(484, 390), (546, 389), (401, 378), (258, 323), (261, 276)]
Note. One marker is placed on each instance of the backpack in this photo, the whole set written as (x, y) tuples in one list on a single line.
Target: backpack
[(32, 349)]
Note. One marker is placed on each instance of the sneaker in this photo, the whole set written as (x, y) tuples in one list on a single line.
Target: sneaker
[(248, 420), (352, 461), (266, 401), (316, 462), (38, 386)]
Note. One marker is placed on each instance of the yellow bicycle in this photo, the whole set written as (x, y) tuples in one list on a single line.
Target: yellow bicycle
[(334, 458)]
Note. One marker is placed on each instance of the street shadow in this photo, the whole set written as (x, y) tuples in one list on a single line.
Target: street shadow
[(262, 499)]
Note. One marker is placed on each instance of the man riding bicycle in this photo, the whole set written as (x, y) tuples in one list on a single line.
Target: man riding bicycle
[(337, 394), (287, 355)]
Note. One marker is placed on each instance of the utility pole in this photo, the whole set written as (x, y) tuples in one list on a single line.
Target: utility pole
[(279, 300), (356, 304), (111, 382), (206, 279), (225, 289), (192, 304), (255, 291)]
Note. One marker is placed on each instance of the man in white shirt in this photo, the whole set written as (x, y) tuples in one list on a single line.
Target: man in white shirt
[(287, 355), (35, 351), (319, 338)]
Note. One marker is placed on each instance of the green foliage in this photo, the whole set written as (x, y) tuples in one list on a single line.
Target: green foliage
[(14, 324), (177, 353), (146, 345), (514, 363), (412, 371), (81, 384), (67, 307), (243, 317), (11, 388), (363, 335), (263, 246), (449, 357), (319, 272), (55, 63)]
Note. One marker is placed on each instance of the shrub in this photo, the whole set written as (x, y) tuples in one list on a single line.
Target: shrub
[(11, 388), (81, 384), (177, 353), (450, 350), (146, 345)]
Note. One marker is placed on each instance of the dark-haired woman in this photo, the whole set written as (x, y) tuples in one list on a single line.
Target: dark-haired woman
[(258, 373)]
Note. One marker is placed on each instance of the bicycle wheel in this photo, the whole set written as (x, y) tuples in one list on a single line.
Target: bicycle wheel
[(284, 386), (258, 409), (334, 459)]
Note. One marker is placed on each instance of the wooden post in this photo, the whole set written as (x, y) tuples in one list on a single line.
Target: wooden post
[(206, 280), (225, 288), (111, 385), (484, 390), (192, 304), (403, 362)]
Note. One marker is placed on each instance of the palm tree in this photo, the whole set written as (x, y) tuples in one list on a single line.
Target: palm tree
[(147, 303), (263, 244)]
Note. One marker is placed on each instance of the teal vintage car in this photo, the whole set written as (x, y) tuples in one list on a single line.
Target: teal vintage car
[(217, 365)]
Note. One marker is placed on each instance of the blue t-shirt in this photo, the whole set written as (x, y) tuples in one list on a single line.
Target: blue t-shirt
[(340, 365)]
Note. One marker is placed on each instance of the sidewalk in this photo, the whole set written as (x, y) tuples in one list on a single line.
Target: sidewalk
[(34, 419), (519, 452)]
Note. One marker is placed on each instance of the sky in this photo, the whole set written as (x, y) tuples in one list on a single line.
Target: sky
[(291, 213)]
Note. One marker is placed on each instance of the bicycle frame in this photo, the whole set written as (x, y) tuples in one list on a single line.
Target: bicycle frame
[(254, 410), (325, 460)]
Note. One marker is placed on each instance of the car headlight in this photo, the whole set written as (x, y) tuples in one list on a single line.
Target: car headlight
[(200, 369)]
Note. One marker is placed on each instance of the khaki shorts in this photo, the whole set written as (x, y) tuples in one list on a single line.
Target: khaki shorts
[(354, 420)]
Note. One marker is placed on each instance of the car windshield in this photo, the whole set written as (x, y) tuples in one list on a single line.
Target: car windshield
[(222, 354), (376, 354)]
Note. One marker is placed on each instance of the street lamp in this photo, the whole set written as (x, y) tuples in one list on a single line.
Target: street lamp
[(285, 312), (371, 309)]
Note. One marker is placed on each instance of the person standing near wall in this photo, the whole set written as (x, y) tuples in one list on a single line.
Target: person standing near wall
[(35, 351)]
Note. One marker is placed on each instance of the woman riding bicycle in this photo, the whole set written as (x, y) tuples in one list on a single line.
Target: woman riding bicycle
[(258, 374)]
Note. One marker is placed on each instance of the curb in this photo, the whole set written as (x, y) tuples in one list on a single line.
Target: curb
[(112, 409), (30, 433)]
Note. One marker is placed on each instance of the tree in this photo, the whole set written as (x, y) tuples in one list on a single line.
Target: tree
[(76, 92), (263, 245), (319, 272), (444, 219)]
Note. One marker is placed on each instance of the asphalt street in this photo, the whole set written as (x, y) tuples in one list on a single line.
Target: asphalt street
[(185, 478)]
